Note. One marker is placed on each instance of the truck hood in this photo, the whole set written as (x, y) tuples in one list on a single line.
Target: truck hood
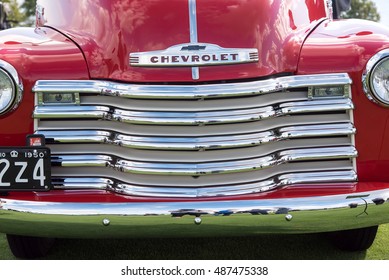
[(171, 40)]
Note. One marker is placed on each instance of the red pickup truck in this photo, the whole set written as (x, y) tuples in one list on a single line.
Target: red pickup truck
[(133, 118)]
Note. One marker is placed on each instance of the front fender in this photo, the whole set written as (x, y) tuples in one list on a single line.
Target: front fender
[(36, 54)]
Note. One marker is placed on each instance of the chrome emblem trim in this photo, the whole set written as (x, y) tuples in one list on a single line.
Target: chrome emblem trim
[(198, 54), (194, 53), (193, 33)]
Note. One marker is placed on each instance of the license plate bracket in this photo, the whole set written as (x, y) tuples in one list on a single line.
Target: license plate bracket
[(25, 169)]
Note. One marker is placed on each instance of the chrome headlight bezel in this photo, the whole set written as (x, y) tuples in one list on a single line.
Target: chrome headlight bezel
[(373, 65), (10, 73)]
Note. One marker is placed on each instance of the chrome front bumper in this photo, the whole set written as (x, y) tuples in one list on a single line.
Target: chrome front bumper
[(190, 219)]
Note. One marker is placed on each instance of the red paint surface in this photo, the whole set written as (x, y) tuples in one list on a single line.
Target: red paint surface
[(35, 54), (345, 47), (108, 31)]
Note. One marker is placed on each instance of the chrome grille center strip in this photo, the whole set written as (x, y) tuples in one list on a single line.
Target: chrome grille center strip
[(193, 33)]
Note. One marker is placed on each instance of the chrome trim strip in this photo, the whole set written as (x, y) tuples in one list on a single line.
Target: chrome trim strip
[(205, 168), (353, 142), (82, 160), (193, 33), (193, 21), (190, 91), (83, 183), (197, 143), (190, 118), (173, 219), (195, 73)]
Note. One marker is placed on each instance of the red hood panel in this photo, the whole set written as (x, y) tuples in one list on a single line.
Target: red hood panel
[(108, 31)]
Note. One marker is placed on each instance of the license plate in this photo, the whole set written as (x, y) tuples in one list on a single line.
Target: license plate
[(25, 169)]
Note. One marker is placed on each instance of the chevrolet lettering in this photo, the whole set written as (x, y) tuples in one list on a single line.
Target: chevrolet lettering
[(193, 55), (193, 118)]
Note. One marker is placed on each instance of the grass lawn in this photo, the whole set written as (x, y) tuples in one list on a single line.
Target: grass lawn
[(263, 247)]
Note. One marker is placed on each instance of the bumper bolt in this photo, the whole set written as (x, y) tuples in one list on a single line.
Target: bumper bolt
[(106, 222), (288, 217), (197, 220)]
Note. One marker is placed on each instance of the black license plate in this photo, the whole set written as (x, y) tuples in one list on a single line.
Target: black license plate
[(25, 169)]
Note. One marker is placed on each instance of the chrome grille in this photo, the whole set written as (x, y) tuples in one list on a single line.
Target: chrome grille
[(197, 140)]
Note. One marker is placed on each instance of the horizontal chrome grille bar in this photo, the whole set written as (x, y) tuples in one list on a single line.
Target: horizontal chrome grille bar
[(189, 181), (197, 143), (190, 91), (205, 168), (206, 191), (188, 118), (263, 186)]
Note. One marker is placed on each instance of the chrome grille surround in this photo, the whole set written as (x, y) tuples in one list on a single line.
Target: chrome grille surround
[(198, 140)]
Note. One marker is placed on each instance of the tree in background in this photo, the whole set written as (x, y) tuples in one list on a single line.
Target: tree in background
[(28, 8), (23, 15), (363, 9), (15, 16)]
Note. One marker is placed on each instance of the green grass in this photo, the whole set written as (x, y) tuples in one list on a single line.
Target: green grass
[(264, 247)]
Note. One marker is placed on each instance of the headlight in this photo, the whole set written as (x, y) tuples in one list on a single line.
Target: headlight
[(376, 78), (10, 87), (7, 91)]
